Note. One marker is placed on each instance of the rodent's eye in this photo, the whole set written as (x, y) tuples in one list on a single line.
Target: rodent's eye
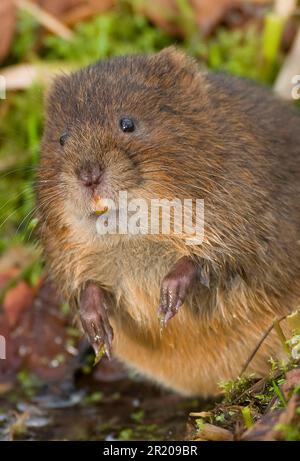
[(63, 138), (127, 125)]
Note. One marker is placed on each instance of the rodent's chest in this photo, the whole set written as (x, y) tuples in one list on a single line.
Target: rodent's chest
[(133, 270), (142, 261)]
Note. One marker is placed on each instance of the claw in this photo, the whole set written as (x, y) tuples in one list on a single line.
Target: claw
[(95, 322), (174, 289)]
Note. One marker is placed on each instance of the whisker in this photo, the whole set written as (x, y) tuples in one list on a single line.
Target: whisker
[(28, 215), (26, 189), (8, 217), (16, 170)]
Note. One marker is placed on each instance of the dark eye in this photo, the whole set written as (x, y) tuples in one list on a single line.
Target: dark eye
[(63, 138), (127, 125)]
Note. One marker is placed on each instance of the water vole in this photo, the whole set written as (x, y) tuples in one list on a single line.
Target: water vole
[(157, 127)]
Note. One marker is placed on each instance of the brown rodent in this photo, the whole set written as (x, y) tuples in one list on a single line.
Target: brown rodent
[(191, 134)]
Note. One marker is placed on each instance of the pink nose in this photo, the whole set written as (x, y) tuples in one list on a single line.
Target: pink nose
[(90, 177)]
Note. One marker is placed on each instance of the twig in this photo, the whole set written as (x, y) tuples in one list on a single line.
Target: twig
[(22, 76), (265, 335), (49, 21), (285, 8)]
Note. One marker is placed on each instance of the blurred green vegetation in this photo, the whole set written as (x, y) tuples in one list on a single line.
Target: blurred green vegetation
[(252, 51)]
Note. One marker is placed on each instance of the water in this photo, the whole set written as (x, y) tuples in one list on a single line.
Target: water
[(125, 409)]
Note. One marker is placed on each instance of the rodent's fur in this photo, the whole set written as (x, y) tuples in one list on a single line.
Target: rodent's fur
[(199, 135)]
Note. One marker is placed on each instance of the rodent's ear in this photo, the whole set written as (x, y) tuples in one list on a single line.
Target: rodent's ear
[(174, 54), (175, 63), (52, 90)]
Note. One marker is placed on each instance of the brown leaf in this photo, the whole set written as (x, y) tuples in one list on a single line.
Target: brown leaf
[(163, 13), (292, 379), (16, 257), (16, 300), (263, 429), (208, 14), (7, 275), (5, 387), (72, 11), (7, 26), (86, 10), (58, 7), (268, 428), (213, 433), (38, 339)]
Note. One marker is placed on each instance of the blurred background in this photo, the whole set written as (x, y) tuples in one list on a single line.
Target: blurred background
[(257, 39)]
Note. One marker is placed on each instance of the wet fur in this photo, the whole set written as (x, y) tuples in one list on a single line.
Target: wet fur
[(198, 135)]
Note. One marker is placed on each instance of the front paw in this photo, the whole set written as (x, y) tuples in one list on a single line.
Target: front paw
[(175, 287), (94, 320)]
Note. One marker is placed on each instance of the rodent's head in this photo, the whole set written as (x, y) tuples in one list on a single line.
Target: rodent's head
[(126, 124)]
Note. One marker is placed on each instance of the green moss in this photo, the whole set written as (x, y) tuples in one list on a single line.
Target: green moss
[(29, 382), (240, 52), (289, 432), (103, 37), (234, 389), (200, 423), (20, 134), (138, 416), (125, 434), (94, 397)]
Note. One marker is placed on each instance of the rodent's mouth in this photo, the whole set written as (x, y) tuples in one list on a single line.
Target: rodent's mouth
[(99, 205), (106, 213)]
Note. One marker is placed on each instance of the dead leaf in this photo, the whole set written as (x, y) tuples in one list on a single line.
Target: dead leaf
[(7, 275), (208, 14), (5, 387), (263, 429), (268, 428), (72, 11), (16, 300), (7, 26), (17, 256), (292, 380), (212, 433), (58, 7), (163, 13), (201, 414), (85, 11), (22, 76), (288, 418)]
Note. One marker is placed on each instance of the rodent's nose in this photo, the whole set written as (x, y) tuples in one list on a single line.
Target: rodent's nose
[(90, 177)]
